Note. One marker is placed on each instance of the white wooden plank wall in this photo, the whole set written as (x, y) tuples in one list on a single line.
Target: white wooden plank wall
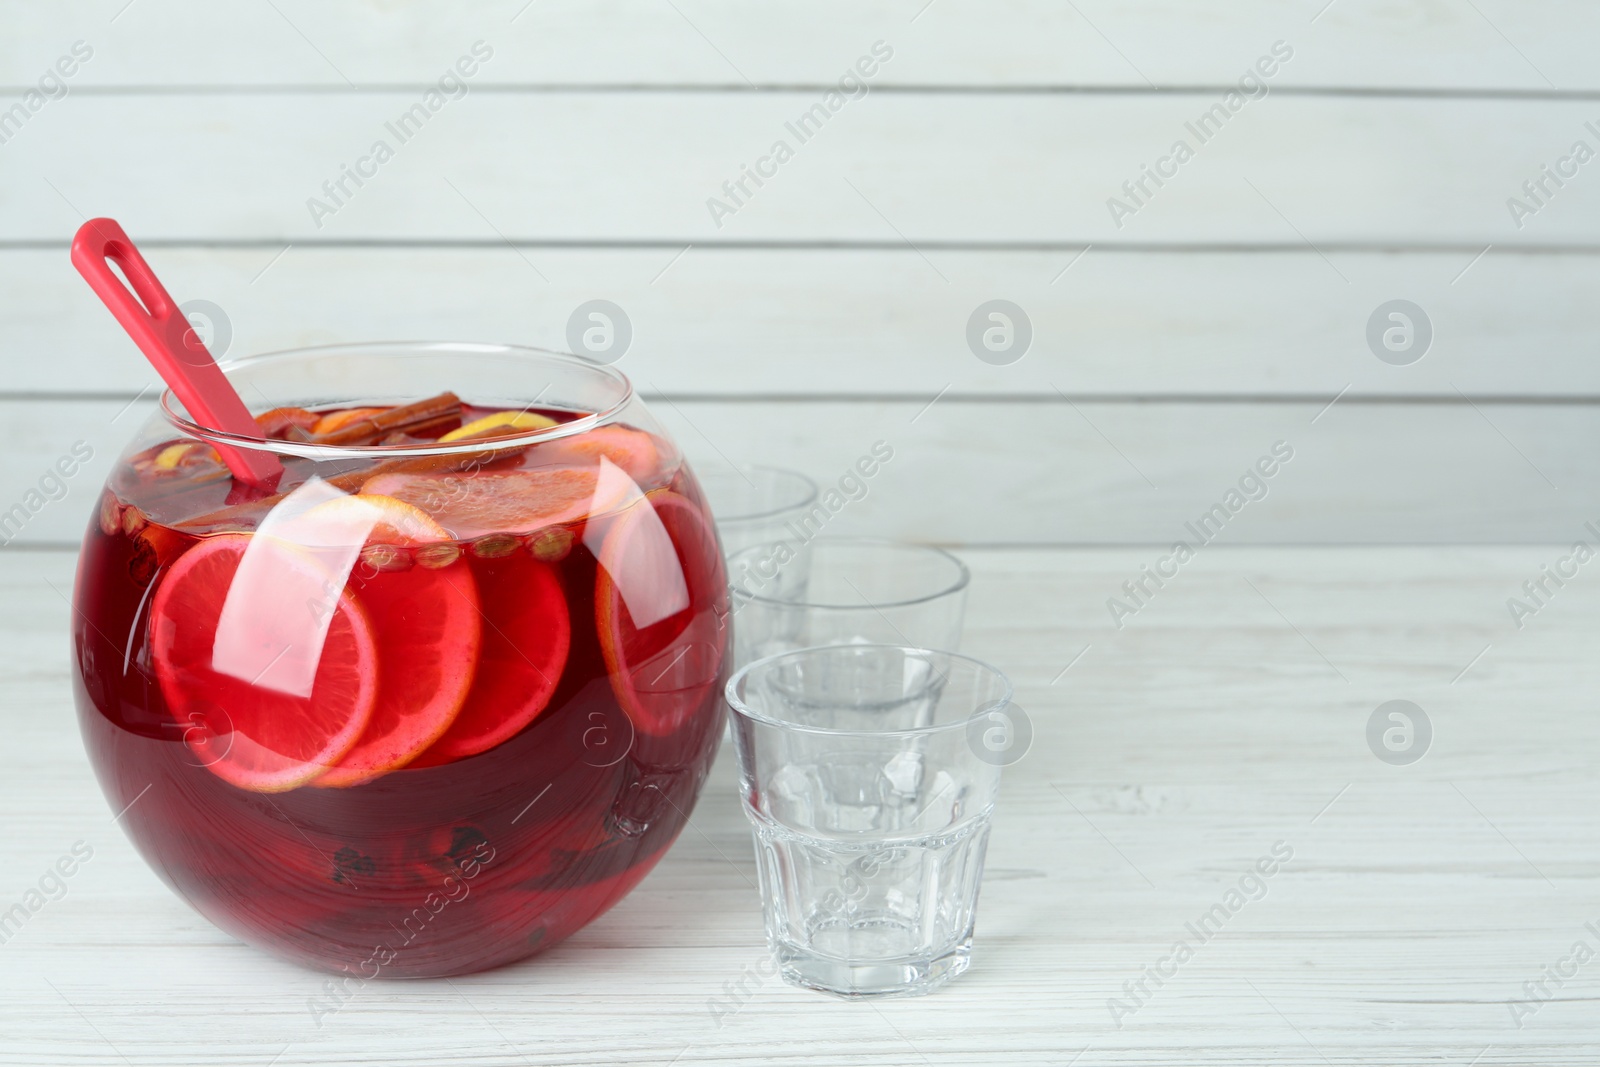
[(1171, 347)]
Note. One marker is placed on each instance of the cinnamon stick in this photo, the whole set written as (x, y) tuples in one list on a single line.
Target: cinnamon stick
[(425, 418)]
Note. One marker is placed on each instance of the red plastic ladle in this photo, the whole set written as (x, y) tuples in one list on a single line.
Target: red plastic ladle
[(169, 342)]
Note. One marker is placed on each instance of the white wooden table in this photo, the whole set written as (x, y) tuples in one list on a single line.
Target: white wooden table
[(1227, 717)]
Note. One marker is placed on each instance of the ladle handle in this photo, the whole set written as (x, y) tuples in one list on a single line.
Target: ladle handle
[(148, 314)]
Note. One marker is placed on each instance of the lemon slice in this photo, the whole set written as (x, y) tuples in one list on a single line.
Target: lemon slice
[(169, 457), (510, 420)]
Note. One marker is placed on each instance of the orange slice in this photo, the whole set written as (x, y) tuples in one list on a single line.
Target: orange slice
[(527, 635), (633, 450), (338, 420), (354, 521), (470, 505), (660, 605), (245, 713), (425, 619), (280, 422), (509, 421)]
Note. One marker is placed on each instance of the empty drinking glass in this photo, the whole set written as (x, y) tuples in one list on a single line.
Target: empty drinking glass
[(757, 505), (845, 591), (863, 773)]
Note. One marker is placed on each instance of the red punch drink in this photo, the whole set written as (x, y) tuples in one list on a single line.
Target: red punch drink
[(436, 699)]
